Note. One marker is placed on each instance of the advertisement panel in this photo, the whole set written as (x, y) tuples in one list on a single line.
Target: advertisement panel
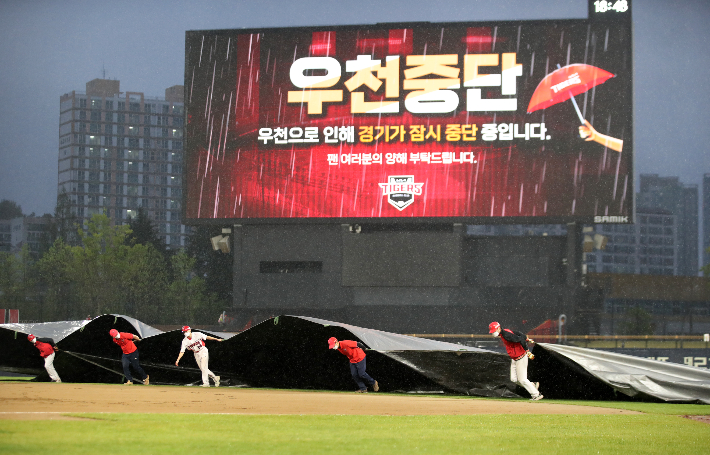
[(526, 122)]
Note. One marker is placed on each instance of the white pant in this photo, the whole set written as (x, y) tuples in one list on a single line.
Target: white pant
[(519, 375), (48, 365), (202, 358)]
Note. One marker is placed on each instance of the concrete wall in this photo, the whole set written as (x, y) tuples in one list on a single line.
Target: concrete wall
[(407, 279)]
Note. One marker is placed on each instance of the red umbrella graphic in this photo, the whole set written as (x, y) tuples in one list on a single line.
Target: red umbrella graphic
[(563, 83)]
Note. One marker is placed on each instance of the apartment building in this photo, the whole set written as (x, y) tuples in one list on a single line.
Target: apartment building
[(121, 151)]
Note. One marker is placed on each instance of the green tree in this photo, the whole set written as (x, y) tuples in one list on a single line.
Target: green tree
[(638, 322), (55, 271), (105, 273), (189, 298), (90, 275), (18, 283), (64, 225), (144, 232), (146, 284), (214, 266), (9, 210)]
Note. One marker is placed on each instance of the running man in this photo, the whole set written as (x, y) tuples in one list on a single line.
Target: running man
[(355, 352), (517, 347), (195, 341), (130, 355), (46, 348)]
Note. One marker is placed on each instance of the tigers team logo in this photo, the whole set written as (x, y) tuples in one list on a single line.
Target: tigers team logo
[(400, 190)]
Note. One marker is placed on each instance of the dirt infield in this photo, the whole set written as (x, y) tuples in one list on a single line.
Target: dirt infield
[(50, 401)]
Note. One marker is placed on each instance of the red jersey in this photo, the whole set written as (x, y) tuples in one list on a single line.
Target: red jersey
[(515, 343), (351, 351), (126, 342), (45, 349)]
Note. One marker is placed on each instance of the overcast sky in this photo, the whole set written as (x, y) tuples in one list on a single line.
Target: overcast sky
[(48, 48)]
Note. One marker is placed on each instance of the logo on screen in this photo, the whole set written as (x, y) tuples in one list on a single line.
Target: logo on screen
[(400, 190)]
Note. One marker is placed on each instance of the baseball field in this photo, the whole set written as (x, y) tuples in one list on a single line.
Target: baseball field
[(100, 418)]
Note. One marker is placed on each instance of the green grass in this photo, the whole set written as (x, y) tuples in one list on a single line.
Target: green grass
[(651, 408), (528, 434), (16, 378)]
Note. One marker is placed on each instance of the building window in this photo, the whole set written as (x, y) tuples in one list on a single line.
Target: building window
[(134, 107)]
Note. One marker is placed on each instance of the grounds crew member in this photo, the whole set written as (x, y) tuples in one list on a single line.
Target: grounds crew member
[(354, 351), (130, 355), (195, 341), (46, 348), (517, 347)]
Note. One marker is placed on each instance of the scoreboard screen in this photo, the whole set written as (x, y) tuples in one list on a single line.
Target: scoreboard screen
[(524, 122)]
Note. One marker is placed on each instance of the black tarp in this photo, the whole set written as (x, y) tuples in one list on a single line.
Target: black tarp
[(291, 352)]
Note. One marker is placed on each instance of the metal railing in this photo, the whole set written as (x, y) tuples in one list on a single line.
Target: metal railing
[(593, 341)]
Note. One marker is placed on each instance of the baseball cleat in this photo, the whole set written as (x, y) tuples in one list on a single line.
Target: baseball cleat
[(128, 383), (205, 385), (376, 387), (216, 381), (146, 381), (361, 391), (536, 398)]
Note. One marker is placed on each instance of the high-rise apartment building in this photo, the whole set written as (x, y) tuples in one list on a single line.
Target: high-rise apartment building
[(647, 247), (120, 151), (32, 231), (669, 194)]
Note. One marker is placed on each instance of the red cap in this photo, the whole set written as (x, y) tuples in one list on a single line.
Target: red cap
[(186, 328), (493, 327), (331, 342), (113, 333), (30, 337)]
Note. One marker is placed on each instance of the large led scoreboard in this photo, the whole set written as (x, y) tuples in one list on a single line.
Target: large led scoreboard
[(518, 122)]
